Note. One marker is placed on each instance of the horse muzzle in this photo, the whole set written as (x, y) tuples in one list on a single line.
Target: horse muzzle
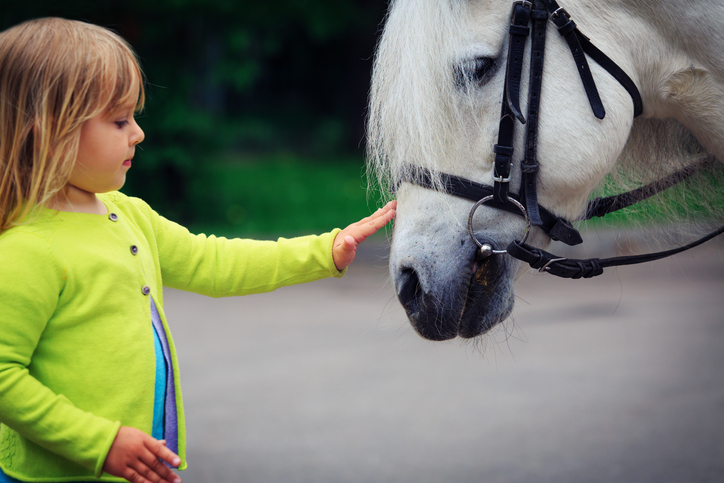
[(463, 297)]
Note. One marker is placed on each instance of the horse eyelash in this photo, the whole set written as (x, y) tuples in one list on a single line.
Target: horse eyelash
[(477, 71)]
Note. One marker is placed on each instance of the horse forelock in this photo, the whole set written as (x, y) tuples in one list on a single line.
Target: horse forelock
[(413, 109)]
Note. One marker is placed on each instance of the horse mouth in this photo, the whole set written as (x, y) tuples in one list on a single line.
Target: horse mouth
[(476, 305), (488, 300)]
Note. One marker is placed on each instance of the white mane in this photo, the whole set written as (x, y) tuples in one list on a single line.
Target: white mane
[(413, 120)]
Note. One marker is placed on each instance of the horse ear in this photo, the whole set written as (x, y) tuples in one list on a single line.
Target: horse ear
[(695, 101), (684, 85)]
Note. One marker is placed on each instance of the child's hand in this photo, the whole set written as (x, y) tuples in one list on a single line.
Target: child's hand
[(347, 240), (135, 455)]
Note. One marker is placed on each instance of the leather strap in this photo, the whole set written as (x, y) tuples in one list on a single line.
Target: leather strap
[(501, 173), (616, 72), (600, 207), (587, 268), (529, 165), (510, 108), (596, 54), (555, 227), (567, 28), (519, 32)]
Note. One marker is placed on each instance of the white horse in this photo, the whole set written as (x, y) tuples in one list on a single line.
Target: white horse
[(435, 104)]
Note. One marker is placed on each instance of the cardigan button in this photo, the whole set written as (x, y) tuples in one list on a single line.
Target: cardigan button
[(146, 290), (113, 217), (134, 250)]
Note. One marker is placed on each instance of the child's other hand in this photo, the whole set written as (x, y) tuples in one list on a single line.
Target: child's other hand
[(347, 240), (134, 455)]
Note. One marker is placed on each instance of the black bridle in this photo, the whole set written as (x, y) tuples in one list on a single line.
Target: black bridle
[(530, 19)]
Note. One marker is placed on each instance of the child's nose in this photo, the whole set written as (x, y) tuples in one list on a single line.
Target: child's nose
[(138, 135)]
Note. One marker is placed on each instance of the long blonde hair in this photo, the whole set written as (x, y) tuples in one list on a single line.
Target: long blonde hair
[(55, 75)]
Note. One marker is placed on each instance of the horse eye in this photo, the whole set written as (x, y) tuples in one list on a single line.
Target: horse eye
[(477, 71)]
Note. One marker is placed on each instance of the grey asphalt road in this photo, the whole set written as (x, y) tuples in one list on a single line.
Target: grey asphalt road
[(614, 379)]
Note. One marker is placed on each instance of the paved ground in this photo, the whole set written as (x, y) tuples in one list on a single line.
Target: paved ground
[(615, 379)]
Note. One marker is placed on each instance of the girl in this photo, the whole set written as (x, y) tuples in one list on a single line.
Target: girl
[(89, 384)]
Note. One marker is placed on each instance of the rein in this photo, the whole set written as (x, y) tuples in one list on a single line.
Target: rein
[(529, 19)]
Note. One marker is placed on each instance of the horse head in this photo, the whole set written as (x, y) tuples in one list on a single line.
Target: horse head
[(439, 78)]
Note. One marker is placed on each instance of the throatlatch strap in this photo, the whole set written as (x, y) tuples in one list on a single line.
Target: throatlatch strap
[(616, 72), (567, 28), (603, 206), (563, 21)]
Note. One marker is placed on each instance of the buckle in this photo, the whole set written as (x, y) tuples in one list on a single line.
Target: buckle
[(560, 11), (545, 268), (499, 179), (527, 4)]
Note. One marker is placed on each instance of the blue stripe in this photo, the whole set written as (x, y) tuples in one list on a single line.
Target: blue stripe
[(170, 427), (159, 399)]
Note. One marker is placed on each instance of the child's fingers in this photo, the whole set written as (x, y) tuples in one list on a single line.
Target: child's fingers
[(346, 241), (375, 223), (161, 451), (132, 474), (380, 212), (142, 473), (384, 211), (157, 472), (154, 458)]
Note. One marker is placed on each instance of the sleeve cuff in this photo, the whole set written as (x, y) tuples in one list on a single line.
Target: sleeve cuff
[(332, 267), (106, 448)]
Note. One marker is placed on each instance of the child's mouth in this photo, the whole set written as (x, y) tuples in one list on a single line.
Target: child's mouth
[(127, 162)]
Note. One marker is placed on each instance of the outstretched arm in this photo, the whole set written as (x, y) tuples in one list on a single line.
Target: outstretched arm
[(346, 242)]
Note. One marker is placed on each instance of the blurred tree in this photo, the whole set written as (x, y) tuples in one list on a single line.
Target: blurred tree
[(235, 77)]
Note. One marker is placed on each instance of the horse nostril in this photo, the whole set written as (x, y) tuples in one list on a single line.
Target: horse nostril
[(426, 311), (410, 290)]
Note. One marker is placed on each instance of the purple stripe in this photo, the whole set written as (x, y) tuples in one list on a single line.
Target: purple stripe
[(170, 427)]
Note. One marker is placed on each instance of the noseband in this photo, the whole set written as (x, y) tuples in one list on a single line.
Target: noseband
[(530, 19)]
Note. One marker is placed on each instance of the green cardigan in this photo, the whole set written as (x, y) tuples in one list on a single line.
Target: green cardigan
[(76, 345)]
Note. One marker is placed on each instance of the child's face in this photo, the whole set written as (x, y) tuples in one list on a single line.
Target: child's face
[(107, 145)]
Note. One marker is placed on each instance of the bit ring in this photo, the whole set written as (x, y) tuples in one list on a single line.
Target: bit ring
[(485, 248)]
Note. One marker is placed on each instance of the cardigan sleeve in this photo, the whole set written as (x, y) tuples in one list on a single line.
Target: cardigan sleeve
[(30, 284), (220, 267)]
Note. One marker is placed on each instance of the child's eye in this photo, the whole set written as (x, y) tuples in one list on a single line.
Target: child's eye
[(122, 123)]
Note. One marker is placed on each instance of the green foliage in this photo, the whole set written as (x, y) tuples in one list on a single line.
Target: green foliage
[(278, 194), (698, 200)]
